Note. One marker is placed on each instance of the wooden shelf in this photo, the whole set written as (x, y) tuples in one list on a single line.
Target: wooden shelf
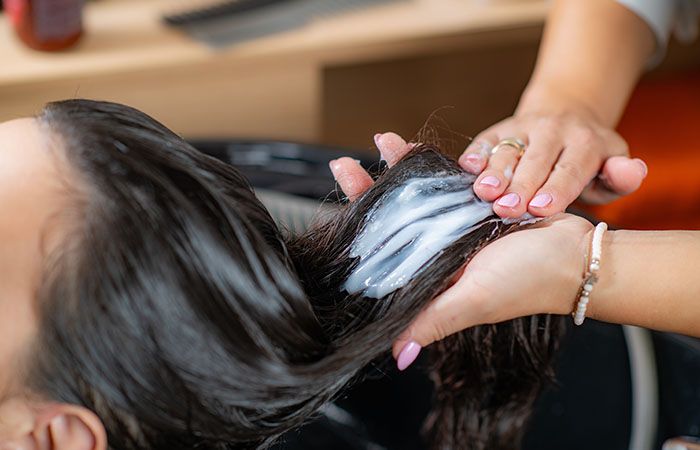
[(127, 35), (268, 87)]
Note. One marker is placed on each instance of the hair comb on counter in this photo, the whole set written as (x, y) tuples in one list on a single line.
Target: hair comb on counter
[(226, 22), (219, 9)]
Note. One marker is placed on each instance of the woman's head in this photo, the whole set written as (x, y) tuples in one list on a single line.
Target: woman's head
[(149, 301), (163, 301)]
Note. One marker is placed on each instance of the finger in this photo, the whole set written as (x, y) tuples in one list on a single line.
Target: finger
[(352, 179), (392, 147), (475, 157), (447, 313), (530, 174), (494, 180), (620, 176), (571, 174)]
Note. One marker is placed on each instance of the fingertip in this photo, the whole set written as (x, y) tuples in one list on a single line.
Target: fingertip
[(334, 166), (544, 204), (509, 205), (392, 147), (489, 186), (408, 354), (473, 163), (352, 179), (624, 175), (643, 168)]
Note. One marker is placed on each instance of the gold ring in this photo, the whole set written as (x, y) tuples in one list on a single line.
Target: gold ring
[(510, 142)]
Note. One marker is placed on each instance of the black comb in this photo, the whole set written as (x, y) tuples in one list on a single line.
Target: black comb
[(217, 10)]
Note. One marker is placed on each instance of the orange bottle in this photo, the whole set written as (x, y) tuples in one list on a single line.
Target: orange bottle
[(47, 25)]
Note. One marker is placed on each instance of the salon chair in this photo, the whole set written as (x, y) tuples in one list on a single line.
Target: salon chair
[(617, 387)]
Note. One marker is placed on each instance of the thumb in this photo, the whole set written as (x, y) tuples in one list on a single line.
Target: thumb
[(448, 313), (619, 176)]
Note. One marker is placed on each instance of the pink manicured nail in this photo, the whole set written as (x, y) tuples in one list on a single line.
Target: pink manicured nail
[(334, 165), (472, 162), (473, 159), (509, 200), (541, 200), (645, 169), (490, 181), (408, 355), (376, 142)]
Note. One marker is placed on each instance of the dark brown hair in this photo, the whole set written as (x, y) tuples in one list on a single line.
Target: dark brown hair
[(182, 316)]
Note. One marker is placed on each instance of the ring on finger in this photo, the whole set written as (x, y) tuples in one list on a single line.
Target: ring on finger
[(510, 142)]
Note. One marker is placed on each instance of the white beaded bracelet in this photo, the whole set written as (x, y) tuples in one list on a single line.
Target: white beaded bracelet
[(591, 276)]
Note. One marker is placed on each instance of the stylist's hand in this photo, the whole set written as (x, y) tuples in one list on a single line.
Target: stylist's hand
[(567, 155), (541, 273), (532, 271)]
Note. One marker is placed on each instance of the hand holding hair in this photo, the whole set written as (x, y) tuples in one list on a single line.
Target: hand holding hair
[(492, 288), (540, 269), (567, 115), (567, 155)]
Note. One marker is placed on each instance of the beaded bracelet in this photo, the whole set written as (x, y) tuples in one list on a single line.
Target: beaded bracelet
[(591, 276)]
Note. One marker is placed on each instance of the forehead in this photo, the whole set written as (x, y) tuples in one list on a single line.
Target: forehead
[(30, 184), (30, 194)]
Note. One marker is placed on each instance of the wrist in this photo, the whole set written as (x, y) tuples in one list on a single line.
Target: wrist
[(595, 305), (571, 270), (606, 281)]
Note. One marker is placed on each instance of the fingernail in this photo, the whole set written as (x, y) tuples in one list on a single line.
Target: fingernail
[(473, 159), (645, 169), (541, 200), (509, 200), (471, 162), (334, 166), (490, 181), (376, 142), (408, 355)]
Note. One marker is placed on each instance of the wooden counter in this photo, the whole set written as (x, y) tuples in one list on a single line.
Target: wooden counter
[(274, 87)]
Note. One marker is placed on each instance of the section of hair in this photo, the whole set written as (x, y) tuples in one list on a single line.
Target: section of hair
[(180, 314), (172, 310), (486, 378), (412, 225)]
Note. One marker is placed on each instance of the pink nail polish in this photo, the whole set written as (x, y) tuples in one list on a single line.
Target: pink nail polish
[(490, 181), (509, 200), (541, 200), (408, 355), (473, 158), (645, 169), (333, 164)]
